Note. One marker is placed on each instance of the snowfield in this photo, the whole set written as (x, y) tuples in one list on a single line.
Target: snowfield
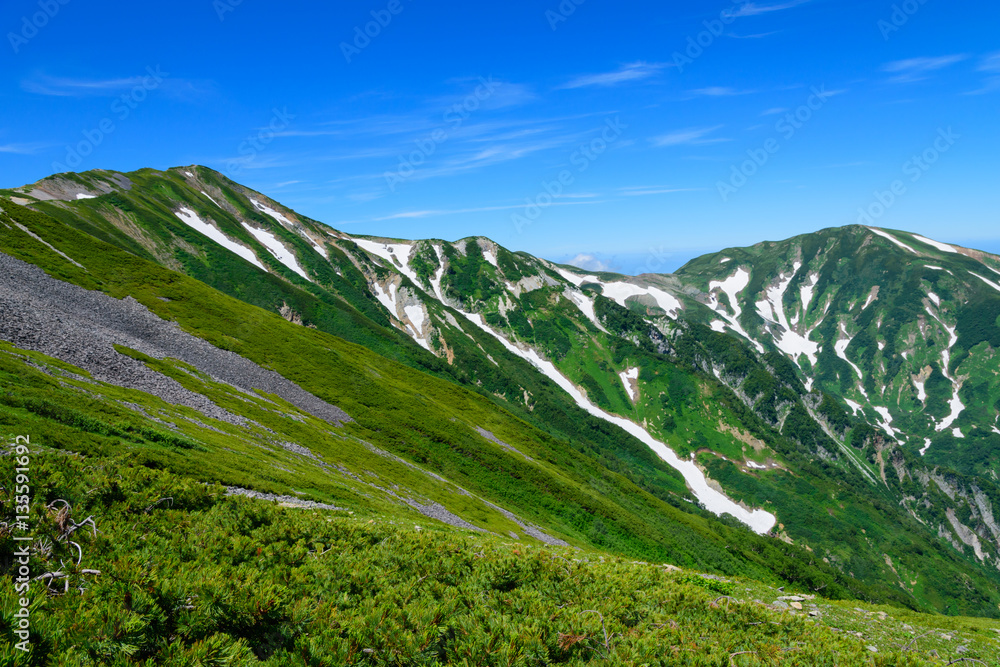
[(732, 286), (278, 249), (191, 219)]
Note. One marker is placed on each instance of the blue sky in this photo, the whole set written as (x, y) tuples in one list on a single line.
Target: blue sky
[(627, 135)]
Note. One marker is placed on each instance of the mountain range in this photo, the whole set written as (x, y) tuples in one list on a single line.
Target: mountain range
[(819, 412)]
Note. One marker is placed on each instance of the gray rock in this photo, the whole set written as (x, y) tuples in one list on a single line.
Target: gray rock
[(81, 327)]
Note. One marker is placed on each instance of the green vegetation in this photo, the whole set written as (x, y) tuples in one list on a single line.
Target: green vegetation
[(177, 574), (860, 517)]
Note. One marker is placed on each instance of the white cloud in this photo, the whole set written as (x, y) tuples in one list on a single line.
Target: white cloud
[(991, 65), (690, 136), (774, 111), (644, 191), (588, 263), (719, 91), (433, 213), (918, 69), (22, 149), (632, 72), (754, 9)]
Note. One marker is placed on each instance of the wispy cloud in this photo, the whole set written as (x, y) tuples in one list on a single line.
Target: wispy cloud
[(177, 88), (22, 149), (647, 190), (64, 87), (627, 73), (692, 136), (990, 64), (917, 69), (759, 35), (431, 213), (774, 111), (755, 8), (719, 91)]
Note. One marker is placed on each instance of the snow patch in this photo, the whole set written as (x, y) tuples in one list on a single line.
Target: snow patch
[(628, 377), (83, 195), (210, 198), (397, 254), (417, 314), (790, 342), (927, 445), (887, 422), (987, 281), (387, 299), (855, 407), (893, 239), (732, 286), (943, 247), (271, 212), (957, 432), (755, 465), (436, 280), (574, 278), (724, 260), (191, 219), (716, 502), (956, 402), (806, 292), (921, 391), (585, 304), (935, 298), (956, 410), (490, 257), (278, 249)]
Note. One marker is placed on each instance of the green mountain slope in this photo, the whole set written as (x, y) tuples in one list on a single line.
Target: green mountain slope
[(179, 575), (416, 444), (620, 376)]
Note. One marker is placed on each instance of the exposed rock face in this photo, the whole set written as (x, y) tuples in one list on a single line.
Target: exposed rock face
[(81, 327)]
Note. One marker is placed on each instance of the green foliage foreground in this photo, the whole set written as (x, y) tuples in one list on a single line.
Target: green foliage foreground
[(189, 576)]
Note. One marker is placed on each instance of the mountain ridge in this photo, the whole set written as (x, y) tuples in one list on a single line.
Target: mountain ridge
[(734, 409)]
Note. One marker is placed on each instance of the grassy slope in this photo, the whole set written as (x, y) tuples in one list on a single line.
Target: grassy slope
[(848, 526), (405, 412), (202, 579)]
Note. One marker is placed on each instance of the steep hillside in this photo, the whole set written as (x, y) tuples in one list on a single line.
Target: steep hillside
[(176, 574), (636, 377), (347, 428), (904, 331)]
